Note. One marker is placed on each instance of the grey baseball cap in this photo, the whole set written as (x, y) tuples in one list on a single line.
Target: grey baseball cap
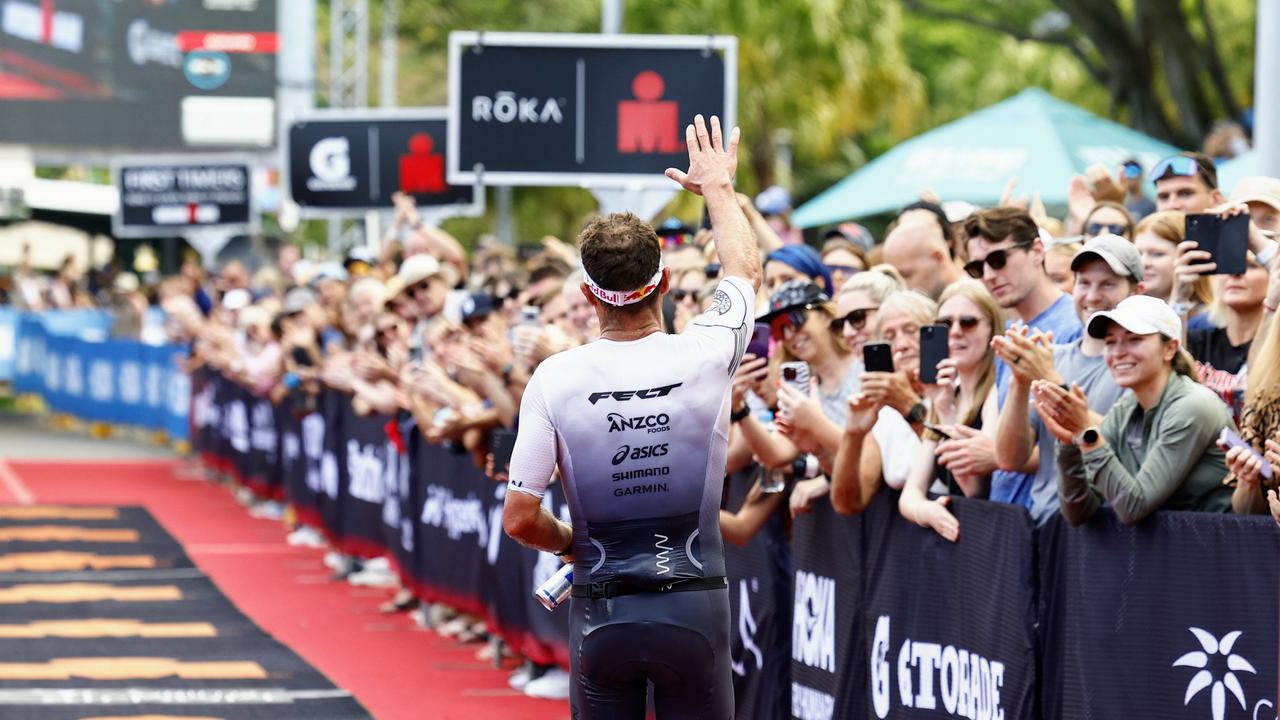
[(1119, 254), (297, 300)]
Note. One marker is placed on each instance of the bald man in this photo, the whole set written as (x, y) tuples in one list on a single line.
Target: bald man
[(919, 251)]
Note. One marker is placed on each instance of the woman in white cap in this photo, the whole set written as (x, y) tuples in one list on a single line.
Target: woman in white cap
[(1156, 448)]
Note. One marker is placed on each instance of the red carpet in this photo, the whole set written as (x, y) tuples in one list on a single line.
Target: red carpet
[(394, 669)]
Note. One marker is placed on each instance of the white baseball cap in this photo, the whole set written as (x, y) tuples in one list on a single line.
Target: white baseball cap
[(1140, 315), (1258, 189), (236, 299)]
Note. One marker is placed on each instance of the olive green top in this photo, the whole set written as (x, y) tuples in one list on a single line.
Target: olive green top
[(1167, 458)]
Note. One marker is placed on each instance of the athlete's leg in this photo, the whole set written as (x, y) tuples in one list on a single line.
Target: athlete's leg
[(693, 679), (606, 682)]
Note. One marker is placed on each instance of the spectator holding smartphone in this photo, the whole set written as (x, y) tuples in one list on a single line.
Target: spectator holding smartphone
[(801, 316), (1156, 448), (881, 433), (962, 404), (1157, 238), (858, 302)]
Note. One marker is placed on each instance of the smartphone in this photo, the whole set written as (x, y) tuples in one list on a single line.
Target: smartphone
[(530, 315), (933, 350), (877, 357), (1225, 239), (759, 345), (938, 431), (501, 443), (1231, 439), (796, 374)]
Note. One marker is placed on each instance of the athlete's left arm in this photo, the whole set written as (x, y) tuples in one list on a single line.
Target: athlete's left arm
[(532, 462)]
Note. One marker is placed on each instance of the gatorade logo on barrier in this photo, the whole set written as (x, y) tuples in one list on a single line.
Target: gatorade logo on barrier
[(931, 676)]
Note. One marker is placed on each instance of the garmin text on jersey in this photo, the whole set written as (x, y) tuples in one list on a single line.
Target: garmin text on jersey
[(639, 452), (625, 395), (652, 423)]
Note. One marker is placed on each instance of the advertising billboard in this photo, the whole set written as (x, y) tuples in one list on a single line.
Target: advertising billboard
[(590, 110), (144, 75), (347, 161)]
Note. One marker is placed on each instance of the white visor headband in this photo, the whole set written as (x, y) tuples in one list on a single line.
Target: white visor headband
[(620, 298)]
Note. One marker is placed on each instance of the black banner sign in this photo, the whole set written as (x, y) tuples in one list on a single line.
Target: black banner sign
[(167, 200), (1176, 617), (354, 162), (760, 600), (547, 109)]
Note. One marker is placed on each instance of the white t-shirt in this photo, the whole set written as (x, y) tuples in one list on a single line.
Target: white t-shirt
[(639, 431), (899, 446)]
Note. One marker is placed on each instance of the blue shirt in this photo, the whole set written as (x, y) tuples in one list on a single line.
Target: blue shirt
[(1059, 318)]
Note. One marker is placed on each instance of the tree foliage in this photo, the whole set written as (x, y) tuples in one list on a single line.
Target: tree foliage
[(851, 78)]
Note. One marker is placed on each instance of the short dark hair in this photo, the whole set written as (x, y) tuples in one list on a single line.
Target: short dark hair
[(937, 211), (996, 224), (620, 252)]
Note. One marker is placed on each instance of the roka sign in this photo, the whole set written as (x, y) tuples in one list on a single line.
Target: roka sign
[(558, 109)]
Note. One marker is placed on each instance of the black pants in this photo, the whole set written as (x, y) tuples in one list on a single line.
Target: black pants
[(678, 641)]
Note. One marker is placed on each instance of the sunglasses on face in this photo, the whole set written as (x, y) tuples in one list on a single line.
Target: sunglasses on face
[(679, 295), (417, 287), (845, 269), (966, 322), (1094, 229), (996, 260), (794, 317), (856, 319)]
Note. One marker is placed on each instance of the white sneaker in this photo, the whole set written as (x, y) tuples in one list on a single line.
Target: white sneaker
[(374, 577), (268, 510), (521, 677), (306, 536), (378, 564), (419, 616), (553, 685), (455, 627)]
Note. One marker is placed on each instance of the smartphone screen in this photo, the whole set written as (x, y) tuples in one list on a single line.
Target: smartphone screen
[(501, 443), (877, 357), (933, 350), (759, 345)]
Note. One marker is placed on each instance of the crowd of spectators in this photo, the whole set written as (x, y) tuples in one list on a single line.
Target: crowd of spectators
[(1092, 360)]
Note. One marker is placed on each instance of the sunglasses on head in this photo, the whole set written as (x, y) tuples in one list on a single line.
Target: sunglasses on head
[(1132, 170), (1094, 229), (966, 322), (996, 259), (1178, 166), (857, 319)]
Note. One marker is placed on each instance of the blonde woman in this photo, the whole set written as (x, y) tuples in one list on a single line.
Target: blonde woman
[(961, 398), (881, 435), (859, 299), (1157, 238), (1057, 264)]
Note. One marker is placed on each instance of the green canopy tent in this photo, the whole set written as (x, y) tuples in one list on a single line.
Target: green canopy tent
[(1034, 136)]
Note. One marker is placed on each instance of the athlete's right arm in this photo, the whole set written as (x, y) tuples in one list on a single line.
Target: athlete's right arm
[(712, 165)]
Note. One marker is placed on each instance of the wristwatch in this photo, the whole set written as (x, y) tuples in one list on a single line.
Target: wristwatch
[(1087, 438), (738, 416), (917, 414), (1181, 308)]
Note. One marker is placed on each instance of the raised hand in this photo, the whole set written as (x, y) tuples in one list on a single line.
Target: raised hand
[(711, 162)]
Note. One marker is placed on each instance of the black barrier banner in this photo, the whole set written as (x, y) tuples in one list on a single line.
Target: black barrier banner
[(760, 602), (370, 484), (948, 628), (453, 523), (1176, 617), (827, 678)]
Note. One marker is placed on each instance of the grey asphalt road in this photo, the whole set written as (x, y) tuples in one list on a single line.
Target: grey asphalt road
[(24, 437)]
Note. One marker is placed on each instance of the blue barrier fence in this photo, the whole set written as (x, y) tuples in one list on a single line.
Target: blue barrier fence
[(66, 358)]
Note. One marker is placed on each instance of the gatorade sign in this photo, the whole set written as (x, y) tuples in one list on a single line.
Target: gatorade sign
[(562, 109), (343, 162)]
